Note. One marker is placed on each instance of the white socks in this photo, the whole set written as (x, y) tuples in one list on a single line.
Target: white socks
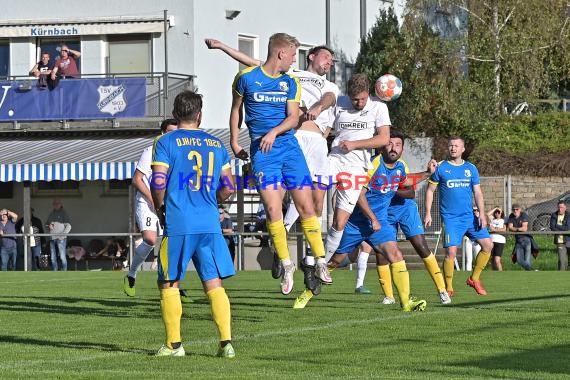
[(141, 253), (361, 266), (332, 242)]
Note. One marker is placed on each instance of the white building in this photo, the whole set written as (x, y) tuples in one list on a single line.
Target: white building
[(150, 39)]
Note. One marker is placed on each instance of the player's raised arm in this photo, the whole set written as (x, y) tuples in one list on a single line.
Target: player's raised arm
[(429, 201), (227, 185), (236, 116), (237, 55)]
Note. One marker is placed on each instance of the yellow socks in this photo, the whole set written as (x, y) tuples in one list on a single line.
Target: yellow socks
[(480, 263), (401, 279), (171, 310), (385, 279), (278, 235), (312, 231), (433, 269), (448, 267), (221, 314)]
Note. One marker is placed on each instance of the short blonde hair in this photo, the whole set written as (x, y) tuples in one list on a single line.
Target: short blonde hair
[(282, 40)]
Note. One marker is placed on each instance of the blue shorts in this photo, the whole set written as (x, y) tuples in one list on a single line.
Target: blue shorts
[(407, 218), (455, 228), (354, 234), (208, 252), (284, 165)]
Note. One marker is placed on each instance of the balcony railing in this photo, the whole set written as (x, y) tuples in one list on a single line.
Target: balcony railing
[(125, 96)]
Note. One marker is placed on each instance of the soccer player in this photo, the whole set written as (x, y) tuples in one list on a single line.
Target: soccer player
[(146, 219), (403, 213), (361, 124), (318, 95), (270, 97), (191, 174), (457, 180), (373, 201)]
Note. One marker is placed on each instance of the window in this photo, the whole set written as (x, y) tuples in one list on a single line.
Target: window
[(4, 59), (117, 187), (53, 46), (248, 45), (302, 55), (55, 188), (129, 54), (6, 190)]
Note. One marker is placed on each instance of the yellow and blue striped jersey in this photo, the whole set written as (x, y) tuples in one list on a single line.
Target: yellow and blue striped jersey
[(195, 160), (265, 98)]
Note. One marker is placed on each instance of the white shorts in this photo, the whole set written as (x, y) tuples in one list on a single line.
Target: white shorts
[(349, 182), (315, 150), (146, 219)]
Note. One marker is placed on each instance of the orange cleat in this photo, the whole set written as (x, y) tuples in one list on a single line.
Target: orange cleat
[(477, 286)]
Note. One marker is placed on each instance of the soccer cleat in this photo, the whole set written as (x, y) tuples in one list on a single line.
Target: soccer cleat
[(450, 292), (303, 299), (414, 305), (362, 290), (226, 352), (167, 351), (276, 267), (184, 298), (311, 282), (287, 280), (129, 286), (322, 272), (388, 301), (477, 286), (444, 298)]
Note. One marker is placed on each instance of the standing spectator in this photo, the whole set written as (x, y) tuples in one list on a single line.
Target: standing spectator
[(228, 231), (560, 221), (58, 222), (497, 224), (8, 250), (518, 222), (186, 237), (42, 71), (36, 242), (66, 64), (458, 181)]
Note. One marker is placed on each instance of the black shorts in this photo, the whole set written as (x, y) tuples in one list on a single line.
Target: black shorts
[(497, 249)]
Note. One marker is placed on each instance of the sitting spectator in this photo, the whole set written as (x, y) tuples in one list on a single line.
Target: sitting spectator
[(497, 224), (8, 249), (35, 242), (116, 248), (518, 222), (228, 231), (66, 64), (42, 71), (560, 221)]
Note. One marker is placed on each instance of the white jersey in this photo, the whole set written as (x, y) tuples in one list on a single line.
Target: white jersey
[(314, 87), (498, 223), (351, 125), (143, 165)]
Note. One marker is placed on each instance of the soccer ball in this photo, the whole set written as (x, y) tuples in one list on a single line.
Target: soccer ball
[(388, 87)]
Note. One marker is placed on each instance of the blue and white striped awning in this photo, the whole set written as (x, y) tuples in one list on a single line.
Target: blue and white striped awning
[(77, 171), (77, 158)]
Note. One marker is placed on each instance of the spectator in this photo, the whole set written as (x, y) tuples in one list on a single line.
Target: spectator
[(518, 222), (8, 250), (66, 64), (497, 224), (560, 221), (117, 250), (228, 231), (58, 223), (36, 242), (42, 71)]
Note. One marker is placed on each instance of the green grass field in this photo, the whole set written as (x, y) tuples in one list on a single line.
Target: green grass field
[(79, 325)]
